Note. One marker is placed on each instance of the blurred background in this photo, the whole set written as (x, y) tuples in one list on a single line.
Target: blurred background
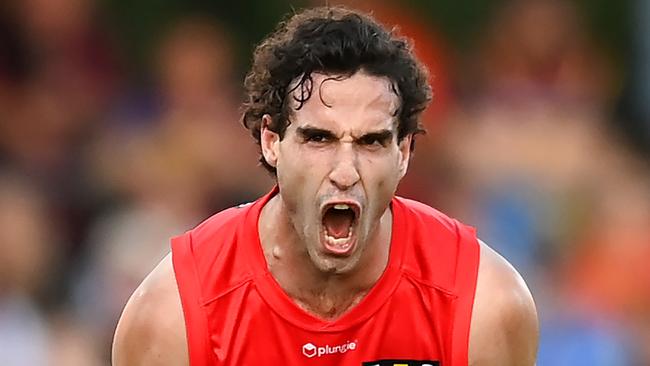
[(119, 127)]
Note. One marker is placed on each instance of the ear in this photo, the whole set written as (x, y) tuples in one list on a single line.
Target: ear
[(405, 154), (269, 141)]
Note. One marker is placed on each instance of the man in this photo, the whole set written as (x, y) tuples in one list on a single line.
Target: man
[(330, 268)]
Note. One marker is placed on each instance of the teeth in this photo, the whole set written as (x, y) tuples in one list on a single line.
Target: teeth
[(335, 241), (341, 242), (338, 241), (341, 206)]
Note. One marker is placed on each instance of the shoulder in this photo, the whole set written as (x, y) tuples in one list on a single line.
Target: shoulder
[(208, 239), (504, 327), (151, 330), (426, 214), (225, 220), (441, 251)]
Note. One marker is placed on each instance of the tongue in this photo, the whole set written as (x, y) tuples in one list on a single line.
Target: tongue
[(338, 222)]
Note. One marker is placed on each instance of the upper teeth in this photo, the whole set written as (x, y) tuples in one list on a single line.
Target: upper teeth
[(341, 206)]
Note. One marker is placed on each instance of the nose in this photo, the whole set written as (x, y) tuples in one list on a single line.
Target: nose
[(344, 173)]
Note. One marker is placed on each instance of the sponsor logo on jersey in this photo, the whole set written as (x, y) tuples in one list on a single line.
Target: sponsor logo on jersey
[(311, 350), (402, 363)]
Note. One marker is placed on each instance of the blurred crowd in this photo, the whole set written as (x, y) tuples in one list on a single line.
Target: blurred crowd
[(530, 139)]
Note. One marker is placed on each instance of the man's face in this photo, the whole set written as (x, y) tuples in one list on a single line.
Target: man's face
[(338, 166)]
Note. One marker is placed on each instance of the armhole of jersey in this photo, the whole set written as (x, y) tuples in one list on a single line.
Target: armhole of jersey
[(466, 279), (187, 280)]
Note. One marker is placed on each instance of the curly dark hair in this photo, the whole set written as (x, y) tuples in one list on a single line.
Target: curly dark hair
[(333, 41)]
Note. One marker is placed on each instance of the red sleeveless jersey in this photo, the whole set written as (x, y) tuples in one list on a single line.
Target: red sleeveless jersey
[(418, 312)]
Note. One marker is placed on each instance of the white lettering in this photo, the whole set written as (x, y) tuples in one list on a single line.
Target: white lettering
[(310, 350)]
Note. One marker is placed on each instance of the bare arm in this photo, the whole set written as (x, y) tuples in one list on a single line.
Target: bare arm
[(151, 330), (504, 329)]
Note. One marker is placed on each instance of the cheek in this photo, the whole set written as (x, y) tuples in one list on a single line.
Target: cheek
[(381, 177), (382, 172), (307, 162), (301, 155), (300, 173)]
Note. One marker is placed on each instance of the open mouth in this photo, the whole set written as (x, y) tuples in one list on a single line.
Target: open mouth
[(339, 221)]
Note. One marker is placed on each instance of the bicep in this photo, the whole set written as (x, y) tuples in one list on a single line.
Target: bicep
[(151, 330), (504, 328)]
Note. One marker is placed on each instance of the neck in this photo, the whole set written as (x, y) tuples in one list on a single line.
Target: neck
[(327, 295)]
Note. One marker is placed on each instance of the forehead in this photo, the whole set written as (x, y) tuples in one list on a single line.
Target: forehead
[(357, 102)]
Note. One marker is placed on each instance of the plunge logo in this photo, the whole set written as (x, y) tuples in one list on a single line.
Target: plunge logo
[(311, 350)]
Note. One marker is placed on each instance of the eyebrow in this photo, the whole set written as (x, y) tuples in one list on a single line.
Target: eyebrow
[(382, 136), (309, 131)]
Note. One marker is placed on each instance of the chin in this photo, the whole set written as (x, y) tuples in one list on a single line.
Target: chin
[(335, 265)]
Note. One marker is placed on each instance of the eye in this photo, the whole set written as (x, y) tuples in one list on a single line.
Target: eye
[(371, 141), (318, 137)]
